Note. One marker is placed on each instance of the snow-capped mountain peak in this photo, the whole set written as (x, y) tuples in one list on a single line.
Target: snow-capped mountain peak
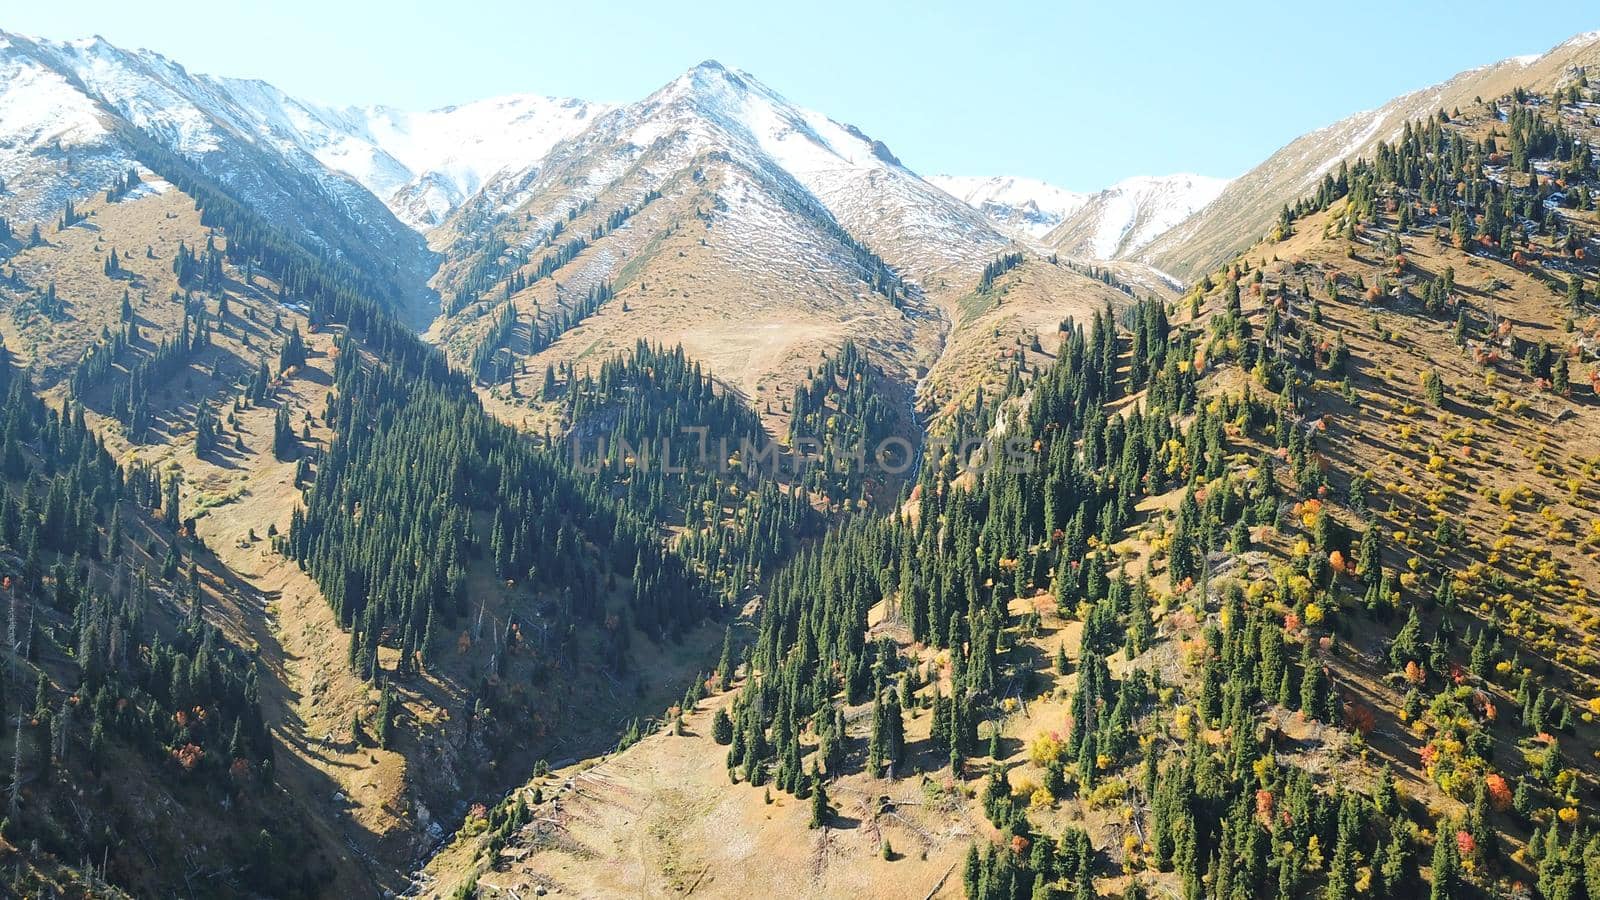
[(1113, 223), (1022, 207), (422, 165), (811, 161), (736, 104), (1122, 219)]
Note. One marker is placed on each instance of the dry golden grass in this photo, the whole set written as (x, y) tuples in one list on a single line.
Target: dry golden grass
[(988, 329), (685, 272)]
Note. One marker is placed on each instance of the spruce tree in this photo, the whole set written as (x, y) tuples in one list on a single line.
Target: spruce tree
[(820, 813)]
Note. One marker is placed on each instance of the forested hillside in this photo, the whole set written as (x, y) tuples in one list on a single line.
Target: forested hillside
[(123, 703), (270, 416), (1294, 603)]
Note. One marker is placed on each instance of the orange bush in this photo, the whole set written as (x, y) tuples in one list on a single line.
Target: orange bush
[(1499, 791), (1264, 803), (188, 756), (1360, 717)]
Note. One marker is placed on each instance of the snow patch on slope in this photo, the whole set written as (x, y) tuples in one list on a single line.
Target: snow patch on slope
[(146, 89), (40, 108), (55, 146)]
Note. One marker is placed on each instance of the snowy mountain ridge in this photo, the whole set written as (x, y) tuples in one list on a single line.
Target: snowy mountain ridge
[(427, 167), (1114, 223), (1121, 220), (1025, 208), (800, 154), (67, 113), (422, 165)]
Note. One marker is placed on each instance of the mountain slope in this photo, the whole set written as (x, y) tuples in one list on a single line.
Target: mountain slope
[(180, 356), (110, 342), (716, 213), (1246, 208)]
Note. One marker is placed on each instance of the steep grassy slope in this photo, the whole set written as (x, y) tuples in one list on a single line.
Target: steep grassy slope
[(235, 491), (1244, 211), (1016, 318), (749, 287)]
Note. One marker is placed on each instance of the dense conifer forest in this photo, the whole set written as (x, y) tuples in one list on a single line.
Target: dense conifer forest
[(109, 662)]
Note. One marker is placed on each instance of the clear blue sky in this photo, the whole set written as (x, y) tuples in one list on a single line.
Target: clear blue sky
[(1080, 94)]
